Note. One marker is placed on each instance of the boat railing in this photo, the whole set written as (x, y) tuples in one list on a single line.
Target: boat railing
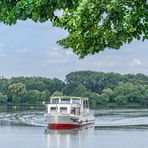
[(63, 103)]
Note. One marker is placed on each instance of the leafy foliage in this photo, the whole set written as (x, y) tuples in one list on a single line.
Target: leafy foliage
[(3, 98), (98, 24), (57, 93), (28, 90), (17, 92), (93, 25), (109, 88)]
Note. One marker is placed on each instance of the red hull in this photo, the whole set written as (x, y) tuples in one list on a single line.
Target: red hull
[(65, 126)]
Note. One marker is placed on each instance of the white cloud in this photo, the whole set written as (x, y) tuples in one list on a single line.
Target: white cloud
[(106, 61), (2, 45), (4, 28), (58, 56), (22, 50), (69, 52), (135, 62), (2, 54), (56, 61), (53, 53)]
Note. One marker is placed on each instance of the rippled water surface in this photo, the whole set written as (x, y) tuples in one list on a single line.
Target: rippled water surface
[(113, 129)]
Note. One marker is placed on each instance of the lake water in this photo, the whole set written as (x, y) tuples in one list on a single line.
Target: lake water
[(113, 129)]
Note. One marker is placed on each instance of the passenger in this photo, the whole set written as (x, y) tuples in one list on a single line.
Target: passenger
[(73, 111)]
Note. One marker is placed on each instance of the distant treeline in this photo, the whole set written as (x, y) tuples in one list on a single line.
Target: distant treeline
[(103, 89)]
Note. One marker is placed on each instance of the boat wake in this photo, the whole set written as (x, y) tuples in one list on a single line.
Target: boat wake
[(24, 118), (107, 120), (138, 122), (129, 119)]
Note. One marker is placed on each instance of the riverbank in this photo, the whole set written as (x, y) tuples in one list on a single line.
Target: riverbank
[(116, 106), (15, 108), (42, 107)]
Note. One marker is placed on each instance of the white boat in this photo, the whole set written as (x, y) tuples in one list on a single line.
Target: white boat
[(68, 112)]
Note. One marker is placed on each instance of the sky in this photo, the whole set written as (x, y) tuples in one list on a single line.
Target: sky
[(30, 49)]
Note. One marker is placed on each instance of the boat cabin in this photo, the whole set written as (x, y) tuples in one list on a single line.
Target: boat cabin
[(67, 105)]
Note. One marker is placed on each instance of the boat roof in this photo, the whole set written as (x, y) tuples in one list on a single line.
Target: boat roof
[(66, 97)]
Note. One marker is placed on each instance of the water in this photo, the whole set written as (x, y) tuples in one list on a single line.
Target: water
[(113, 129)]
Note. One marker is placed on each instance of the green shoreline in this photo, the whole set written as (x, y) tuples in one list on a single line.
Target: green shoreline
[(104, 90), (109, 106)]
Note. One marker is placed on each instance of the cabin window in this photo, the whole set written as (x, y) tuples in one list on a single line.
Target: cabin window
[(63, 109), (85, 103), (55, 101), (65, 100), (75, 110), (76, 101), (78, 111), (53, 109)]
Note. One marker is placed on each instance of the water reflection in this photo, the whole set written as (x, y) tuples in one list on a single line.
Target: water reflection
[(65, 138)]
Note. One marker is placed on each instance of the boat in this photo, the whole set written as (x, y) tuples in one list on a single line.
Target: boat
[(68, 112)]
